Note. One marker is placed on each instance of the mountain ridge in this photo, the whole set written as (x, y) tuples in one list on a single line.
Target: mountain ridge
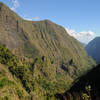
[(49, 59), (93, 49)]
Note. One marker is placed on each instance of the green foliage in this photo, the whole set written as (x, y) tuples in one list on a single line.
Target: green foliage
[(25, 75), (6, 57), (21, 72), (19, 93), (10, 88), (88, 88), (87, 96), (5, 81), (6, 98)]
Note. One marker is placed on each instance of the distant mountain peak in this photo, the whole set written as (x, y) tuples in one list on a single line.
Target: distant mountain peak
[(93, 49)]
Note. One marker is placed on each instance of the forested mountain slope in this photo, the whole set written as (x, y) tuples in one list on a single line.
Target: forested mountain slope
[(48, 59)]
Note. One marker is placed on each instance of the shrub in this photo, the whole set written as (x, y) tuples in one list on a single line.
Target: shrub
[(5, 81)]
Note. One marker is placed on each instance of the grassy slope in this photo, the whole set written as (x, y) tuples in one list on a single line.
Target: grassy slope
[(43, 38), (10, 87), (39, 79), (56, 58)]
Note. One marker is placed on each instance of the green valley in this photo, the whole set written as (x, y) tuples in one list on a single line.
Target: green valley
[(38, 59)]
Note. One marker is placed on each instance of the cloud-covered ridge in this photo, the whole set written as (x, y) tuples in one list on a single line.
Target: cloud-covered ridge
[(83, 36)]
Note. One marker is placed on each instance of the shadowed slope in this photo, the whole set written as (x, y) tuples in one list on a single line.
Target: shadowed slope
[(86, 87), (93, 49)]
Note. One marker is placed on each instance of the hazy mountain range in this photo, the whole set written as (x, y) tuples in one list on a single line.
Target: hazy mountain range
[(93, 49)]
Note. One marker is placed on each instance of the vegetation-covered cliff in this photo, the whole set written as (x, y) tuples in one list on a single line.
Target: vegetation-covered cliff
[(42, 58)]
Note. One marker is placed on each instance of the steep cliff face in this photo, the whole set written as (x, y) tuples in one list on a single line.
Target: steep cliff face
[(42, 38), (54, 57)]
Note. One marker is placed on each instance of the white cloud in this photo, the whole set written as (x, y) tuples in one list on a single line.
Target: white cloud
[(15, 4), (83, 36), (29, 19), (32, 19), (36, 18)]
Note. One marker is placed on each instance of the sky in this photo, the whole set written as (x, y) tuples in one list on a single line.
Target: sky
[(80, 18)]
